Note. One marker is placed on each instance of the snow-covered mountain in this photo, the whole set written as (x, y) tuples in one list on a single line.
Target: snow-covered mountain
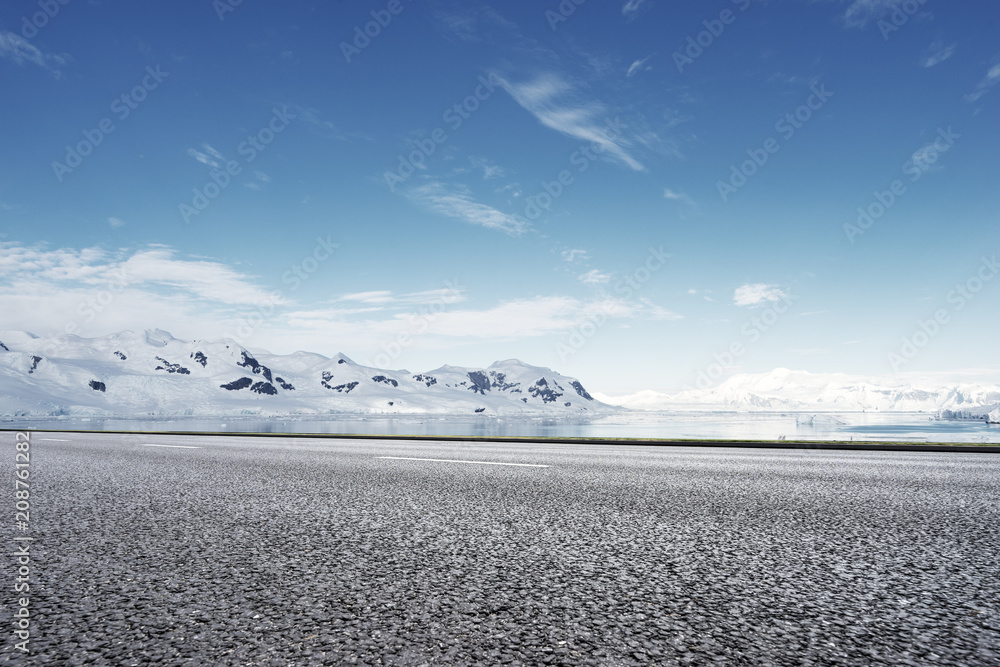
[(783, 390), (153, 373)]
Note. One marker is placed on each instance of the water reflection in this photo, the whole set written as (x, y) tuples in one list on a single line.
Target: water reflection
[(915, 427)]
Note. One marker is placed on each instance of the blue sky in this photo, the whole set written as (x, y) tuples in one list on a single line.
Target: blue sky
[(642, 194)]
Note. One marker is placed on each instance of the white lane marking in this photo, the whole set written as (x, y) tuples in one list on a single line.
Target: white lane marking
[(171, 446), (53, 440), (488, 463)]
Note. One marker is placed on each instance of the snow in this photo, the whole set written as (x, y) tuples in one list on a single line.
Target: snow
[(784, 390), (154, 374)]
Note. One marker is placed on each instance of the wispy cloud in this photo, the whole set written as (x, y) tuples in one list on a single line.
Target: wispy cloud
[(457, 202), (490, 170), (447, 295), (207, 156), (549, 98), (21, 51), (683, 198), (756, 294), (937, 53), (116, 222), (631, 7), (573, 254), (637, 66), (991, 79), (862, 12), (594, 277)]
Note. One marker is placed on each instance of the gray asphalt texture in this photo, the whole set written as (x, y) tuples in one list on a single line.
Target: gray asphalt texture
[(263, 551)]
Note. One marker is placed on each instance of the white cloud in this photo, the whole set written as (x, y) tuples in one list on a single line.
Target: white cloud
[(938, 53), (21, 51), (682, 197), (631, 7), (572, 254), (756, 294), (457, 202), (116, 222), (863, 12), (546, 98), (208, 157), (447, 295), (991, 79), (635, 67), (594, 277), (102, 292)]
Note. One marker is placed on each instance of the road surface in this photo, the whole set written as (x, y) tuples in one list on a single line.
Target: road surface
[(180, 550)]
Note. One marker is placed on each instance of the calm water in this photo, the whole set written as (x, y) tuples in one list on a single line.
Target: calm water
[(915, 427)]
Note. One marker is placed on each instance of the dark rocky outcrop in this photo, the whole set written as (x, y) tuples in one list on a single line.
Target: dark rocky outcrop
[(287, 386), (345, 388), (480, 382), (236, 385), (580, 390), (98, 386), (200, 358), (500, 383), (171, 368), (120, 355), (34, 364), (5, 348), (258, 369), (384, 380), (542, 390), (426, 379), (264, 388)]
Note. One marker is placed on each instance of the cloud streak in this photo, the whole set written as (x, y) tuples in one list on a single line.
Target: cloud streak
[(21, 51), (546, 98), (991, 79), (757, 293), (458, 203)]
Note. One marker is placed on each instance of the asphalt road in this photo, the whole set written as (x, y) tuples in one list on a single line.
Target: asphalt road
[(248, 551)]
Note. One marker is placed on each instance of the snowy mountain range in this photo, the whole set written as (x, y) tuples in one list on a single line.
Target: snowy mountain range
[(154, 374), (783, 390)]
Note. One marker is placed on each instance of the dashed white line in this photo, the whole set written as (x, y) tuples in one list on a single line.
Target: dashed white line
[(141, 444), (488, 463)]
